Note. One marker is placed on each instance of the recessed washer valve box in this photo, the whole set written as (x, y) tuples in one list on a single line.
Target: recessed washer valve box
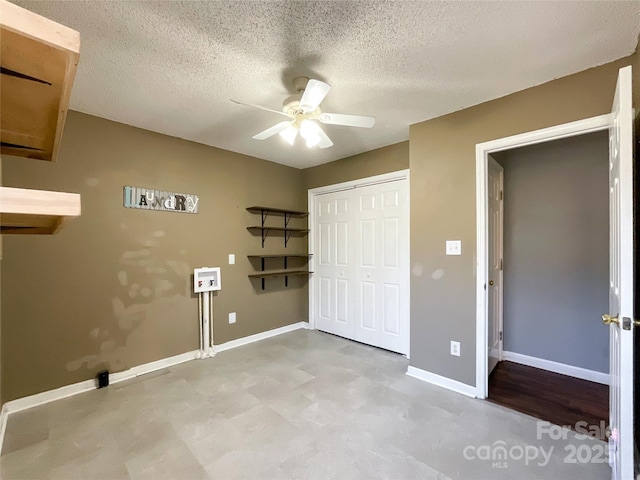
[(206, 279)]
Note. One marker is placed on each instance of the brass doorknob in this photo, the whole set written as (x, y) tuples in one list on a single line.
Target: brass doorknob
[(608, 319), (491, 283)]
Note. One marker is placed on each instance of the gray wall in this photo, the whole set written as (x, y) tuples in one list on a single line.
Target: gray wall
[(556, 250)]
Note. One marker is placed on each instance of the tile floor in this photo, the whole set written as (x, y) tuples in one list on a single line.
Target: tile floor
[(301, 405)]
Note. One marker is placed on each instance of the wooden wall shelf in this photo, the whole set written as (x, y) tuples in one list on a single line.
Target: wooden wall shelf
[(281, 255), (279, 273), (287, 214), (277, 211), (36, 211), (264, 230), (39, 59), (286, 231)]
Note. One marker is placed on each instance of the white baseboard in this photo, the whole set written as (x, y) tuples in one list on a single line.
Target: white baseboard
[(4, 417), (87, 385), (84, 386), (152, 367), (441, 381), (556, 367), (260, 336)]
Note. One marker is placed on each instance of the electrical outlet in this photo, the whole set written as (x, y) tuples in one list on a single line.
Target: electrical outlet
[(232, 317), (232, 259), (455, 348)]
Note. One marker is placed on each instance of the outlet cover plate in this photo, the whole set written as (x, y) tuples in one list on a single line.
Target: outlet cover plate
[(232, 317), (455, 348)]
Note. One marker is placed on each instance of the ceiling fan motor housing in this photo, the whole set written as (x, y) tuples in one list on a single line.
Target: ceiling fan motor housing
[(300, 83), (291, 106)]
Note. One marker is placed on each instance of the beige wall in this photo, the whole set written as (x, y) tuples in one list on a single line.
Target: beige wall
[(375, 162), (114, 285), (442, 162)]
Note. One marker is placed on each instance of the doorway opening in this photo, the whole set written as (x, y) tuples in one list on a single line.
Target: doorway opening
[(619, 319), (548, 280)]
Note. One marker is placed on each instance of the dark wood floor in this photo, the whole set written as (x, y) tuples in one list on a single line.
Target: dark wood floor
[(559, 399)]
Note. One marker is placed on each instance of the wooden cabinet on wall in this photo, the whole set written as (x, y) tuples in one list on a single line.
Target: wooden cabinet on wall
[(265, 229), (38, 59)]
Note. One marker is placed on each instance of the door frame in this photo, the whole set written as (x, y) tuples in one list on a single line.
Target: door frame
[(352, 184), (566, 130)]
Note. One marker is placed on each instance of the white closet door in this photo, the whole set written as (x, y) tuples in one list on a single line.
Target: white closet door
[(333, 263), (361, 261), (381, 266)]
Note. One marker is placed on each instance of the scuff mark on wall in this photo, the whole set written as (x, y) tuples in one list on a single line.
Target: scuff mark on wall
[(90, 360), (417, 270), (150, 286), (437, 274)]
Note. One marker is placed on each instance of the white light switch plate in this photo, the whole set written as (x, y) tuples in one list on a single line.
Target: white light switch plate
[(454, 247), (232, 317), (232, 259)]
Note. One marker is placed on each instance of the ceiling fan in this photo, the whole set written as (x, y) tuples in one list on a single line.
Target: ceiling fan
[(302, 110)]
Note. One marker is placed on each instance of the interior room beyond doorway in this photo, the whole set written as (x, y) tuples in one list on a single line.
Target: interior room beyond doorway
[(555, 276)]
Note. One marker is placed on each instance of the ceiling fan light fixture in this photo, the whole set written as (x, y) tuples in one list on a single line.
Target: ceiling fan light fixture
[(303, 110), (313, 140), (309, 131), (289, 134)]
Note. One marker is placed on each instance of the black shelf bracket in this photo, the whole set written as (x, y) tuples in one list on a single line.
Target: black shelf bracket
[(286, 277)]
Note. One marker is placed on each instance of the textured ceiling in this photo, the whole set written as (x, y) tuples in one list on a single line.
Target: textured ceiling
[(171, 67)]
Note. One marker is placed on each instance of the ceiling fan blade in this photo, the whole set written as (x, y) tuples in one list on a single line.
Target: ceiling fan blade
[(271, 131), (261, 108), (313, 95), (347, 120), (325, 141)]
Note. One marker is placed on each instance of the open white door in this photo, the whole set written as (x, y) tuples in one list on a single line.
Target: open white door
[(494, 289), (621, 290)]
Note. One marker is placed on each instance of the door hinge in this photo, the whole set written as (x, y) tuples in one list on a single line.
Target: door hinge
[(501, 194), (500, 264), (500, 336)]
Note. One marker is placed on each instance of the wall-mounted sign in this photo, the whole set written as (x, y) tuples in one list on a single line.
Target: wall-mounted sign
[(140, 197)]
